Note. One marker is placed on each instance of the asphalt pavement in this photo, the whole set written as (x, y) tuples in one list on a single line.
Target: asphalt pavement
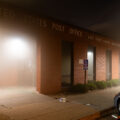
[(110, 116)]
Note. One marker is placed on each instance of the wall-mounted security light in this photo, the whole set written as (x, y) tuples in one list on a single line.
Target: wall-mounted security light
[(16, 47)]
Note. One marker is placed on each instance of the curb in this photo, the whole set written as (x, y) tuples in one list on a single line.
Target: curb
[(99, 114)]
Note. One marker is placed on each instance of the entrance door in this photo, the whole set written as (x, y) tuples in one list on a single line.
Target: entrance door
[(108, 65), (67, 63), (91, 63)]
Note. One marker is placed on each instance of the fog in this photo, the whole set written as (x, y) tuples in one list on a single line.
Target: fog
[(17, 60)]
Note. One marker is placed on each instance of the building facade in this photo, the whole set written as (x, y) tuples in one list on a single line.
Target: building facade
[(56, 54)]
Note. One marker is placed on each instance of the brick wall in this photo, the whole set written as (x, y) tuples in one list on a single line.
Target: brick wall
[(49, 60), (100, 63), (80, 50), (49, 50), (115, 64)]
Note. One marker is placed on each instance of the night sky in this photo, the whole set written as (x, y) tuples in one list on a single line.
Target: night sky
[(101, 16)]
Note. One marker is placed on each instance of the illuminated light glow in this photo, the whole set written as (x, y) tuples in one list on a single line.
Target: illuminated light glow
[(16, 47), (89, 53)]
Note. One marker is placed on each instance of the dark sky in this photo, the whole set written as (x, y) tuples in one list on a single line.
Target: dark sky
[(101, 16)]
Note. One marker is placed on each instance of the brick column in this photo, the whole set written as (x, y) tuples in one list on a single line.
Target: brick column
[(115, 64), (49, 65), (80, 52), (100, 63)]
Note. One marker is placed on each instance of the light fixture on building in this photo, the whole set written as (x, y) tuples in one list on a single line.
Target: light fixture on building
[(89, 53), (16, 47)]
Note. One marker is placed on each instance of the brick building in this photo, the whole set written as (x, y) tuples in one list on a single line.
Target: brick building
[(55, 54)]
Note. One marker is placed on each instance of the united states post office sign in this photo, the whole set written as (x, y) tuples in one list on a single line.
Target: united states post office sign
[(7, 14)]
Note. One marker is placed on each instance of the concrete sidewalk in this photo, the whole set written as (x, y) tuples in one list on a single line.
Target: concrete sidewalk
[(98, 99), (25, 104)]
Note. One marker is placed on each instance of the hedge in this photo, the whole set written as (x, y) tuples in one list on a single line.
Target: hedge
[(100, 85), (79, 88), (93, 85)]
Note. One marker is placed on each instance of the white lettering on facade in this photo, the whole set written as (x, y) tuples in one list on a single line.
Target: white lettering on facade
[(90, 37), (98, 39), (58, 27), (75, 32), (107, 42), (115, 44), (42, 23), (9, 14), (6, 13)]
